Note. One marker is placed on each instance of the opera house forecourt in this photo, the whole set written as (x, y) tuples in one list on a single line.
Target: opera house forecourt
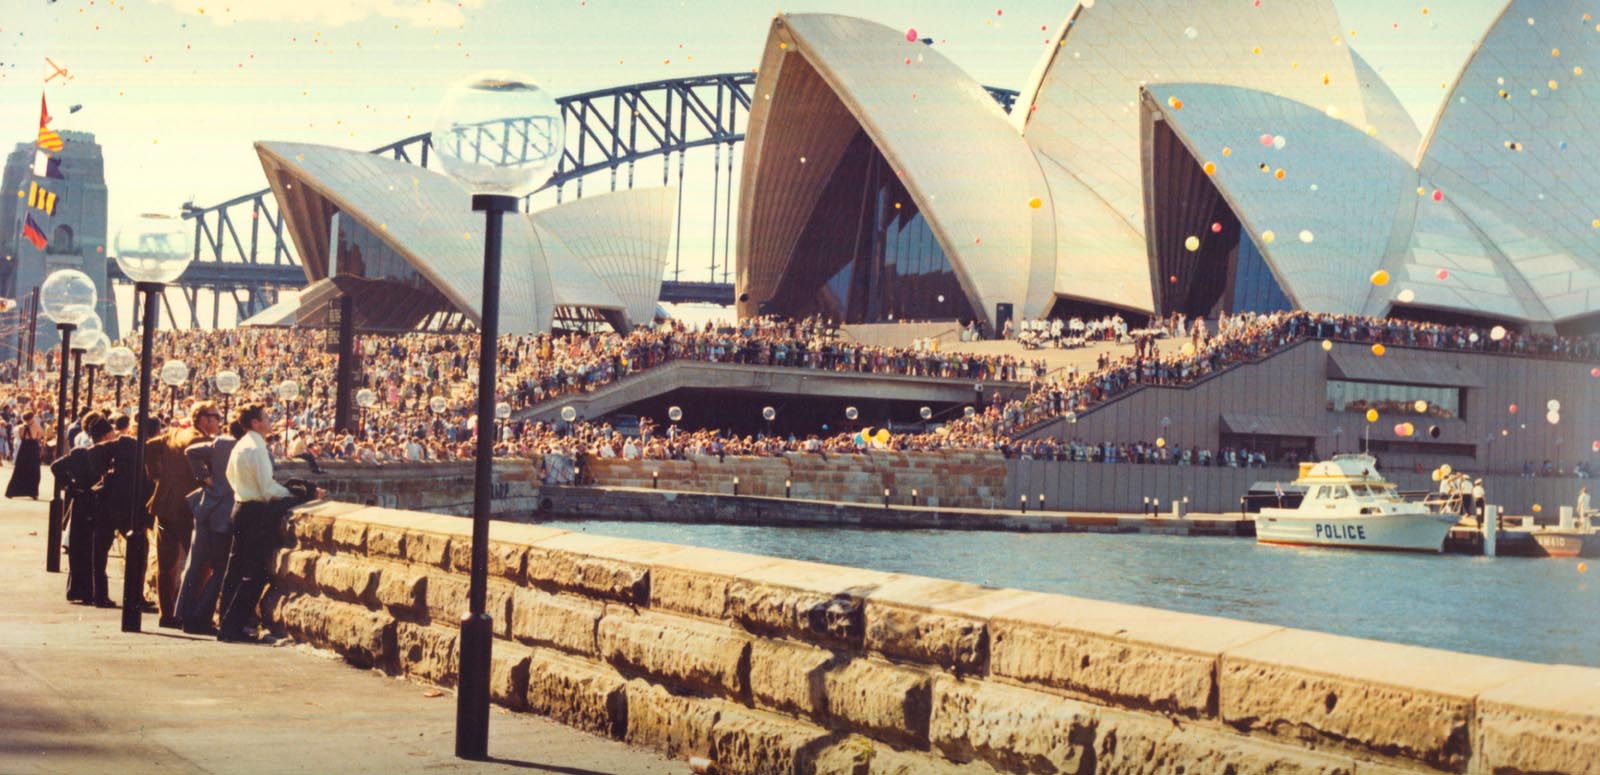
[(1169, 156)]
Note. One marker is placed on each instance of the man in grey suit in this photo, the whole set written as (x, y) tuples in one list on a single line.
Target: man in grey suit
[(212, 505)]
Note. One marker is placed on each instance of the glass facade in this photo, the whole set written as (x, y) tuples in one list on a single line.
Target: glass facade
[(871, 253), (1389, 399), (1255, 289), (364, 254)]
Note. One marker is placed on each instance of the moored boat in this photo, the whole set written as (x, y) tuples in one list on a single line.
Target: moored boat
[(1349, 505)]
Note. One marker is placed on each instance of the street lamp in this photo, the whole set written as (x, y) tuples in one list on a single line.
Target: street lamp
[(88, 327), (120, 362), (502, 412), (287, 391), (365, 398), (153, 251), (227, 384), (466, 141), (769, 414), (675, 415), (437, 405), (68, 298), (96, 347), (568, 415), (174, 373)]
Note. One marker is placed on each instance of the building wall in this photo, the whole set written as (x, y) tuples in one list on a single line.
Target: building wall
[(764, 665), (1293, 384)]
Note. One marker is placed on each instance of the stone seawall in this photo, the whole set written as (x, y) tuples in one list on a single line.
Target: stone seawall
[(958, 479), (775, 666), (439, 488)]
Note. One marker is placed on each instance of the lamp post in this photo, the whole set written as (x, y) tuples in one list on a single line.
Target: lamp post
[(569, 415), (153, 251), (87, 329), (494, 176), (68, 298), (769, 414), (675, 415), (173, 373), (287, 391), (96, 347), (365, 398), (502, 412), (120, 362), (437, 405), (77, 381), (227, 382)]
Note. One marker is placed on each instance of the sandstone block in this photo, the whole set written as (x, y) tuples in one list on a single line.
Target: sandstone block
[(349, 535), (884, 701), (311, 531), (577, 693), (788, 677), (403, 587), (930, 621), (1401, 701), (747, 741), (682, 652), (559, 621), (1015, 730), (427, 548), (1134, 743), (506, 560), (805, 601), (427, 652), (446, 596), (1547, 721), (619, 580), (677, 725), (385, 541), (508, 675), (695, 581), (296, 570), (1139, 658), (349, 578)]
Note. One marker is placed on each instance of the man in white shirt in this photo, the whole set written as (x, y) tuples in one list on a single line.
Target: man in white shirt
[(260, 503)]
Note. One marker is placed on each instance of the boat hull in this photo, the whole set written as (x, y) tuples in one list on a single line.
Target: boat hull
[(1415, 532), (1559, 543)]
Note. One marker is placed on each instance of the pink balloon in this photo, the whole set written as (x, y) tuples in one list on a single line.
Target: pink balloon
[(1513, 408), (1266, 140), (1438, 196), (1442, 274), (1216, 228), (911, 35), (1595, 372)]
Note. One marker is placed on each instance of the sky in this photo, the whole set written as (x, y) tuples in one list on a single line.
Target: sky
[(176, 91)]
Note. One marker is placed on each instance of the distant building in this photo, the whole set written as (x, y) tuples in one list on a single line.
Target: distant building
[(73, 224), (1163, 158)]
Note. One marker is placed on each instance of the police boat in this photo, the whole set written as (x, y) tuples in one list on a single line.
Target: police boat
[(1348, 504)]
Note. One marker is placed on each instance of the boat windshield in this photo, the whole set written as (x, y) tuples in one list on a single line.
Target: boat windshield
[(1382, 491)]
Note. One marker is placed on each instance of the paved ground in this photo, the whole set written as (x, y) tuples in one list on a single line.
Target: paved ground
[(78, 695)]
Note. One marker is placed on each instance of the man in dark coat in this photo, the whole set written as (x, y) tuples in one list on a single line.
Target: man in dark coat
[(115, 496), (212, 505), (75, 476)]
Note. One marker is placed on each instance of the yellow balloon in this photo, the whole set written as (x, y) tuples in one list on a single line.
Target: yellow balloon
[(1035, 203), (1537, 508), (1161, 443), (1192, 244), (1211, 168), (882, 436), (1327, 345), (1446, 469), (1372, 415), (1268, 237), (1380, 278), (1176, 103), (1436, 476), (1378, 350)]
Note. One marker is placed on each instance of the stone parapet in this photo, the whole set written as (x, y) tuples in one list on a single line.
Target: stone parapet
[(764, 665)]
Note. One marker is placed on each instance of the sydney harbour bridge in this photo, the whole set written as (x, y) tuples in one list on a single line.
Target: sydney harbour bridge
[(692, 126)]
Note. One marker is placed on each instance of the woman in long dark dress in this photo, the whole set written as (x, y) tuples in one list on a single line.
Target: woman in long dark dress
[(25, 477)]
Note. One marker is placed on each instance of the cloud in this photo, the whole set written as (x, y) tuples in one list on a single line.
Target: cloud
[(417, 13)]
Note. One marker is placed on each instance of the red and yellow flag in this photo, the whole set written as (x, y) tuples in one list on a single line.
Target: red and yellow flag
[(48, 139)]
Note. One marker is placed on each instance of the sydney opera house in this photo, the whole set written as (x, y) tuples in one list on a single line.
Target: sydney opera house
[(1168, 155)]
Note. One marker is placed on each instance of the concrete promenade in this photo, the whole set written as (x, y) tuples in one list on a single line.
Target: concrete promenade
[(78, 695)]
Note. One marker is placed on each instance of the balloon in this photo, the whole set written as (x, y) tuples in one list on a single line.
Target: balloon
[(882, 436), (1192, 244), (1278, 142), (1552, 405), (1400, 429), (1595, 372), (1433, 431), (1268, 236), (1035, 203), (911, 35), (1216, 228), (1379, 350), (1445, 469), (1406, 296), (1436, 476), (1210, 168), (1421, 406), (1380, 278), (1307, 237), (1161, 443), (1279, 174), (1327, 345), (1554, 418), (1497, 333), (1537, 508), (1176, 103), (1513, 408), (1442, 274), (1191, 33), (1226, 151), (1372, 415), (1266, 141)]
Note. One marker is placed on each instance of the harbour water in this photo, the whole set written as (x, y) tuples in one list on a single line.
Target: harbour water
[(1533, 610)]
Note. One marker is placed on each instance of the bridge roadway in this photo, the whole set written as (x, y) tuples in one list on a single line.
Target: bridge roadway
[(766, 380)]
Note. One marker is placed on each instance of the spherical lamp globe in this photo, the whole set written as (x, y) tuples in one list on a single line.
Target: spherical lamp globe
[(288, 390), (120, 361), (154, 249), (568, 413), (502, 411), (851, 413), (174, 373), (499, 133), (768, 413), (674, 414), (366, 397), (438, 404), (926, 413), (95, 345), (227, 382), (67, 297)]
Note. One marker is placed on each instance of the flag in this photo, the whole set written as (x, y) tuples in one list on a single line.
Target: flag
[(34, 234), (48, 139), (46, 166), (40, 199)]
